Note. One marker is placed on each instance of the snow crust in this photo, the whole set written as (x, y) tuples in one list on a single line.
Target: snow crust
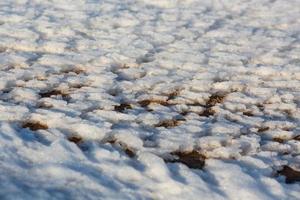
[(97, 95)]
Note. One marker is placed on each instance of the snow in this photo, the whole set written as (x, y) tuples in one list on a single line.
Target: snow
[(101, 99)]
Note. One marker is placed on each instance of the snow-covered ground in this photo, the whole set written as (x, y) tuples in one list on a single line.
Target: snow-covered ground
[(150, 99)]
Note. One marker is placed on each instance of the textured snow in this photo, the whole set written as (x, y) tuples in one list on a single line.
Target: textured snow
[(97, 96)]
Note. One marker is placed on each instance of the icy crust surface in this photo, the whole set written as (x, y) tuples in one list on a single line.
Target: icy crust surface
[(98, 97)]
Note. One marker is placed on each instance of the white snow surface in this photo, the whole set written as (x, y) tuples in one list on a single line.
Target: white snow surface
[(97, 95)]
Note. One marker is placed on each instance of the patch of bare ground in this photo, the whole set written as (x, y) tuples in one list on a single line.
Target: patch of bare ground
[(35, 125), (170, 96), (75, 70), (127, 150), (297, 137), (261, 107), (75, 139), (208, 111), (122, 107), (212, 101), (169, 123), (65, 96), (279, 140), (262, 129), (44, 105), (146, 102), (192, 159), (173, 94), (248, 113), (77, 86), (288, 113), (50, 93), (291, 175)]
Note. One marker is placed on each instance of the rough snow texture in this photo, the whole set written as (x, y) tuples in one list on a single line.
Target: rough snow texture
[(97, 95)]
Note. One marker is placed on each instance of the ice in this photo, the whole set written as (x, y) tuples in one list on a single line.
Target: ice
[(117, 99)]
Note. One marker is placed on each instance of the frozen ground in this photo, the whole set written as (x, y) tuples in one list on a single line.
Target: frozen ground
[(150, 99)]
